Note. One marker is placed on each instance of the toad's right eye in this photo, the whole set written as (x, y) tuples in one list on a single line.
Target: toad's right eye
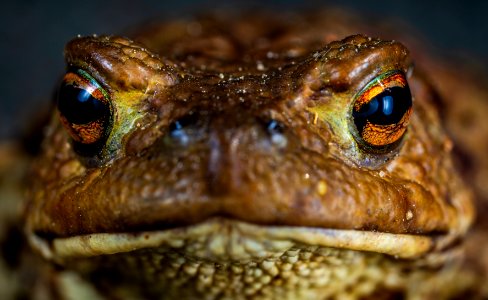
[(85, 110), (382, 111)]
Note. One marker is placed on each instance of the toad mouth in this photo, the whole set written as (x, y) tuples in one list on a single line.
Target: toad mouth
[(220, 240)]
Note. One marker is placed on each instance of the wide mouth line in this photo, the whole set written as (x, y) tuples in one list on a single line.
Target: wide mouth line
[(234, 240)]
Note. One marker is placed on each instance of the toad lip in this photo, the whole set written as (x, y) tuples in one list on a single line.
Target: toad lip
[(220, 239)]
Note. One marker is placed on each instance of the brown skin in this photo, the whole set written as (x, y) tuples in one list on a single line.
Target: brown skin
[(232, 79)]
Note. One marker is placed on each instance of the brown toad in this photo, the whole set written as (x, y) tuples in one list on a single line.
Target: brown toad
[(246, 159)]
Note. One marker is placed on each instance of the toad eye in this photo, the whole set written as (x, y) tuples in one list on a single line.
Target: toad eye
[(381, 111), (84, 110)]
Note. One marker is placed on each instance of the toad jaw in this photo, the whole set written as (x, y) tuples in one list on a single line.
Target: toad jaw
[(222, 240)]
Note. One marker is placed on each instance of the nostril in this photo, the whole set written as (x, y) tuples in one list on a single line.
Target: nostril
[(177, 131), (276, 131), (274, 127), (183, 128)]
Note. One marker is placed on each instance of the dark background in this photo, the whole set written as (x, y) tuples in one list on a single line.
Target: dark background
[(33, 33)]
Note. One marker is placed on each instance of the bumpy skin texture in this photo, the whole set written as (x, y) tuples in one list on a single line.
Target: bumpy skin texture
[(232, 77)]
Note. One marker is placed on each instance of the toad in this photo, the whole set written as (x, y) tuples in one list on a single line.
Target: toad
[(243, 158)]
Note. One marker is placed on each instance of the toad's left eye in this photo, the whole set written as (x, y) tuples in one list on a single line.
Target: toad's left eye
[(382, 111), (84, 110)]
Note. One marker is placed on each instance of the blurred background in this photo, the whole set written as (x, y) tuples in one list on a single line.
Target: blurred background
[(33, 33)]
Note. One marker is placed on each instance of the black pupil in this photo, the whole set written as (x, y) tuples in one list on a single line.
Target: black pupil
[(78, 106), (386, 108)]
